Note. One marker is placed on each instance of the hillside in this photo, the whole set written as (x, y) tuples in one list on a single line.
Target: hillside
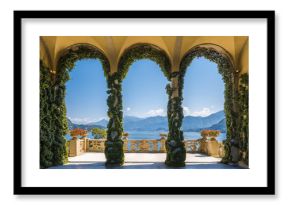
[(190, 123), (88, 127)]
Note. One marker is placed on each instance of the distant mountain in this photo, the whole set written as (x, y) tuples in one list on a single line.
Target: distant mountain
[(88, 127), (129, 119), (146, 124), (102, 122), (221, 125), (190, 123), (70, 124)]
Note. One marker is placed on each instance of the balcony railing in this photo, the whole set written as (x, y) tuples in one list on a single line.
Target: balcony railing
[(209, 147)]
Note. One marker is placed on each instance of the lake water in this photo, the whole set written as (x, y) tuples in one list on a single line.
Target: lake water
[(138, 135)]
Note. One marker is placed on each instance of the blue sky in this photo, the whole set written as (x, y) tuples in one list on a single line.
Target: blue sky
[(144, 92), (203, 88), (86, 92)]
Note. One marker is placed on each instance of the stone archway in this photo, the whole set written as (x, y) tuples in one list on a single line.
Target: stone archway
[(66, 63), (114, 145), (168, 60), (230, 77)]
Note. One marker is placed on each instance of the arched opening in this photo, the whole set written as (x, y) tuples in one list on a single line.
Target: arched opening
[(145, 111), (54, 80), (227, 71), (203, 109), (66, 63), (86, 107), (86, 95), (114, 147)]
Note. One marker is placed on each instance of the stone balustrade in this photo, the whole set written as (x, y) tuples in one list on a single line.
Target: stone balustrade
[(209, 147)]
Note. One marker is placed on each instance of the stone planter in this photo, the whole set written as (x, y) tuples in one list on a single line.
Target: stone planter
[(213, 148)]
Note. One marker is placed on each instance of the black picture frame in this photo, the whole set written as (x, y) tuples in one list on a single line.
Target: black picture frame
[(268, 190)]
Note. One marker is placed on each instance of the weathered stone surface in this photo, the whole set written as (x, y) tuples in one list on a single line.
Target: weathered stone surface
[(78, 146), (213, 148)]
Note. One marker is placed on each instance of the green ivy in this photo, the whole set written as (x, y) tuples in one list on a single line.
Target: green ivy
[(175, 147), (46, 134), (59, 125), (144, 51), (59, 150), (114, 145), (244, 118), (226, 70), (78, 52)]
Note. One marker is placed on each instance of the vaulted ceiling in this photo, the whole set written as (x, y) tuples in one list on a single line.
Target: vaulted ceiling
[(176, 47)]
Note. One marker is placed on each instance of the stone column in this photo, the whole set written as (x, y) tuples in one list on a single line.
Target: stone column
[(74, 147), (162, 145), (114, 145), (213, 148), (175, 147)]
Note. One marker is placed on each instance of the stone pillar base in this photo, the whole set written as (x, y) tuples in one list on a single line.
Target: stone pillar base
[(114, 153), (213, 148), (176, 154), (74, 147)]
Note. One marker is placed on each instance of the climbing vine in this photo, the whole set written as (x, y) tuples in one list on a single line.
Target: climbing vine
[(114, 145), (65, 64), (78, 52), (176, 152), (244, 118), (226, 70), (143, 51), (58, 112), (46, 132)]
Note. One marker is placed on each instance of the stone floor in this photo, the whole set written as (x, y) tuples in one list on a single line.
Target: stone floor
[(143, 161)]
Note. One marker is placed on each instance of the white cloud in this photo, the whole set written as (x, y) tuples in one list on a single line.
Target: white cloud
[(79, 120), (84, 120), (128, 109), (203, 112), (155, 112), (186, 111), (102, 118)]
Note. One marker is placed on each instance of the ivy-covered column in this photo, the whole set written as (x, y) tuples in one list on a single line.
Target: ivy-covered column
[(65, 64), (231, 143), (59, 149), (46, 136), (175, 147), (114, 145), (244, 119), (53, 123)]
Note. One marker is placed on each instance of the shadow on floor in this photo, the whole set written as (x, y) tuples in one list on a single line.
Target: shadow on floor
[(145, 165), (201, 156)]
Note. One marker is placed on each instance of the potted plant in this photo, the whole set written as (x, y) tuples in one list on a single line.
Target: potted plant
[(212, 134), (210, 145), (78, 132)]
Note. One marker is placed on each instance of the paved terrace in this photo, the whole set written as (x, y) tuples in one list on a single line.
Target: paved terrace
[(143, 161)]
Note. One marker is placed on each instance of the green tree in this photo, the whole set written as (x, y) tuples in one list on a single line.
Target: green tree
[(99, 133)]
